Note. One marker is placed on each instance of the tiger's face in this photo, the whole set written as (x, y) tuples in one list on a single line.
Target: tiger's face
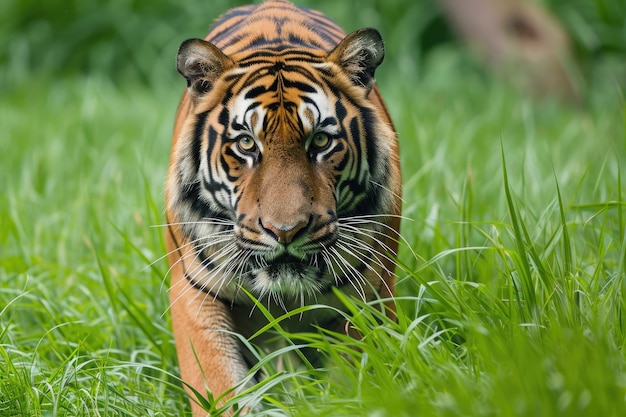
[(281, 173)]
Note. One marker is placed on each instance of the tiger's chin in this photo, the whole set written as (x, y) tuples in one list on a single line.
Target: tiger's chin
[(289, 282)]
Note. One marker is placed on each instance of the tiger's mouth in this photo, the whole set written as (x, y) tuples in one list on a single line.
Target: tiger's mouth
[(287, 259), (288, 275), (285, 265)]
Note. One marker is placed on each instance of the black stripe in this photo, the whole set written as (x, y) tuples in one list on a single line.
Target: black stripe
[(268, 56), (212, 187), (196, 144), (373, 154), (213, 139), (371, 204), (356, 133), (306, 88), (340, 110), (255, 92)]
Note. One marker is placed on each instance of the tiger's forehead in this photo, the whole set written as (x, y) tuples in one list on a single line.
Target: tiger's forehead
[(280, 102)]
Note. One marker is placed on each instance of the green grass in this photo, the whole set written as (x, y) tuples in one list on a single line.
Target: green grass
[(513, 304)]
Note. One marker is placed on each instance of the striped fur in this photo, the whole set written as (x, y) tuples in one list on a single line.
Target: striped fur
[(284, 180)]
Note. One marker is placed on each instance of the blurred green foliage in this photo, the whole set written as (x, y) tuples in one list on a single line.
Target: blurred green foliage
[(596, 26), (138, 39)]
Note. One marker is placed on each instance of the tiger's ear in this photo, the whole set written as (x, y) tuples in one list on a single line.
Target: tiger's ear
[(359, 54), (201, 63)]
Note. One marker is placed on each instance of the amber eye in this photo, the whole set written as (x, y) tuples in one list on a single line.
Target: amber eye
[(320, 141), (246, 144)]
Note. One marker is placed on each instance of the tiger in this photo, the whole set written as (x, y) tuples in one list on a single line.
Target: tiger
[(283, 187)]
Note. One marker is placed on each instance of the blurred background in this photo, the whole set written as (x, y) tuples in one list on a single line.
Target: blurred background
[(136, 40)]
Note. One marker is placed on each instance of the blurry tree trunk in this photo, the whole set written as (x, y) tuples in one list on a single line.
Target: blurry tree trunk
[(520, 41)]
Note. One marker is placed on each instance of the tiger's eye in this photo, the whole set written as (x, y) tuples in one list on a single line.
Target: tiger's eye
[(246, 144), (320, 140)]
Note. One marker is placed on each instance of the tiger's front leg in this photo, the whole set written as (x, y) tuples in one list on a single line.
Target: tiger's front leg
[(208, 354)]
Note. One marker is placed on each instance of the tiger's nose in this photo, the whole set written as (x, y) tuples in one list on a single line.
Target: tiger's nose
[(284, 234)]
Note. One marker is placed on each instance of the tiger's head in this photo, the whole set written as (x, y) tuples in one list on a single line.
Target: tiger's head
[(283, 171)]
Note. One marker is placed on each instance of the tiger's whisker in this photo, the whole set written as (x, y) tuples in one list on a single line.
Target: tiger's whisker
[(364, 220), (343, 232), (388, 190), (363, 260), (228, 274), (200, 266), (181, 247), (203, 221), (347, 273), (226, 254), (356, 243), (358, 250)]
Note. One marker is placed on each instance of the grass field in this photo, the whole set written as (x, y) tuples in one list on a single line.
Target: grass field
[(513, 304)]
